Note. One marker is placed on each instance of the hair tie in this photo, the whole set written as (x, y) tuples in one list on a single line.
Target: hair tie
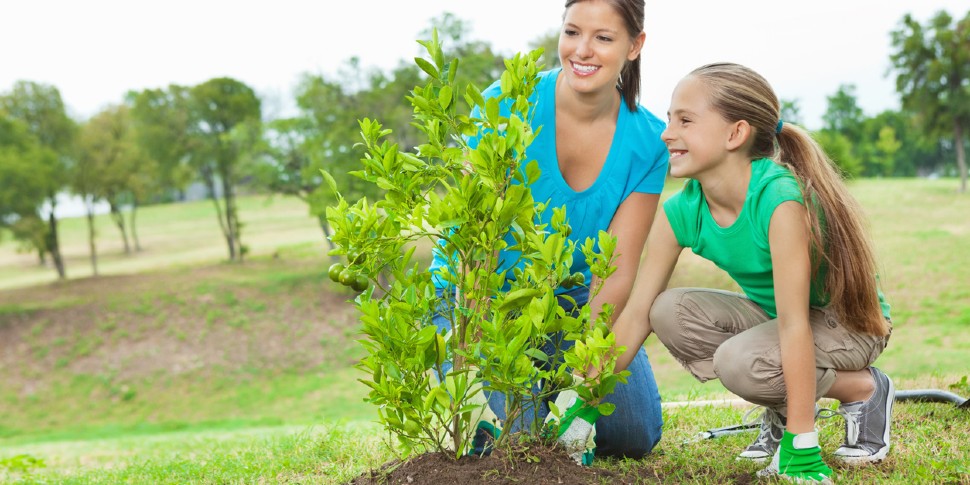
[(778, 126)]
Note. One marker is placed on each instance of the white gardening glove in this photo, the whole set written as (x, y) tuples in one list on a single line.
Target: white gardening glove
[(576, 430)]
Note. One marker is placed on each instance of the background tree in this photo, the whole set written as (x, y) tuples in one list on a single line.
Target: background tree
[(24, 166), (843, 113), (111, 165), (918, 154), (160, 119), (41, 110), (87, 180), (325, 134), (932, 65), (839, 149), (225, 115), (549, 43), (884, 153)]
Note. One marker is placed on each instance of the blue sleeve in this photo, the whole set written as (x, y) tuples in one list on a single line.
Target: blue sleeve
[(654, 153)]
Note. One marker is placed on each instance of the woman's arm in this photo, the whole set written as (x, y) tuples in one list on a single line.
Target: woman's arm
[(788, 238), (630, 226), (632, 326)]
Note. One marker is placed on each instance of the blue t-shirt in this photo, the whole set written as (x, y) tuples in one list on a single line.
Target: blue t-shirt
[(637, 162)]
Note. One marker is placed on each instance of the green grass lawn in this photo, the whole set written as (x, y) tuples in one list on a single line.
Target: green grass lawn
[(170, 235), (286, 407)]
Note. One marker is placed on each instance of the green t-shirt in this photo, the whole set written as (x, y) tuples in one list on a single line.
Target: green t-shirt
[(742, 250)]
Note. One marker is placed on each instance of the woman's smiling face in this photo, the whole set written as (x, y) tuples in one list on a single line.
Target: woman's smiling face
[(594, 45)]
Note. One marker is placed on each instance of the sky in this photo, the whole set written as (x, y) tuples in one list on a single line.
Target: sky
[(96, 50)]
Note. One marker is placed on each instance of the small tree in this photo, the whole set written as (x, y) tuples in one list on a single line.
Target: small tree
[(40, 109), (932, 64), (472, 202)]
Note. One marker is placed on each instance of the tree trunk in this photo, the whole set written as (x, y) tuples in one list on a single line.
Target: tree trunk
[(134, 232), (119, 219), (326, 235), (232, 216), (53, 246), (91, 236), (961, 154), (211, 187)]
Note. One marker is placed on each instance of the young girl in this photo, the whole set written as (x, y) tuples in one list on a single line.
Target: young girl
[(765, 204)]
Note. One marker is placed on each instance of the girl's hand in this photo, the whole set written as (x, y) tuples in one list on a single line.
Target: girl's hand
[(800, 458)]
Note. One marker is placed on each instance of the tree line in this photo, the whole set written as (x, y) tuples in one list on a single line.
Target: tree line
[(155, 142)]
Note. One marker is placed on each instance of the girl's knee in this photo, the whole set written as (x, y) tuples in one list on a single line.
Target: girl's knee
[(663, 313), (733, 365), (745, 372)]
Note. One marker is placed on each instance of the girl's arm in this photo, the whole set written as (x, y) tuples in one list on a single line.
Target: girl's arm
[(788, 238), (630, 226), (632, 327)]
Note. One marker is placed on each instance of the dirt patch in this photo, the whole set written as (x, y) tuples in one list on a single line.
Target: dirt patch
[(219, 319), (539, 465)]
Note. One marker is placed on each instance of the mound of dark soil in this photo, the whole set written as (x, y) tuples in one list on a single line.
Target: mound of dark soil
[(538, 465)]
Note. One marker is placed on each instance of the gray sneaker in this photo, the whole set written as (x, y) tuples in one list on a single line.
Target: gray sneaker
[(867, 423), (769, 436)]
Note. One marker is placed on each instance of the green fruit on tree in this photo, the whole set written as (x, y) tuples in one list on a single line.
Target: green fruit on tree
[(360, 283), (355, 257), (347, 277), (334, 272), (568, 282), (578, 278)]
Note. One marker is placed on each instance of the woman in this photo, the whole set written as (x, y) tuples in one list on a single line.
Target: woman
[(601, 157)]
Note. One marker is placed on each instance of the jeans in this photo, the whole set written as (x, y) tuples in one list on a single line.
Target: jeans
[(632, 430)]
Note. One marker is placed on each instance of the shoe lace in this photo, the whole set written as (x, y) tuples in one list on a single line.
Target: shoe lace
[(769, 420), (851, 417)]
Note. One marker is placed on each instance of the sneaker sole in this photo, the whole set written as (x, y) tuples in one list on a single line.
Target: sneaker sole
[(881, 453), (753, 459)]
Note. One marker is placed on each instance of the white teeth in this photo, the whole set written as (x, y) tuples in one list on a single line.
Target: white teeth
[(584, 68)]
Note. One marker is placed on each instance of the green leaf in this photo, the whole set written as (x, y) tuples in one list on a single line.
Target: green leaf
[(444, 96), (452, 71), (330, 181), (518, 298), (606, 408), (475, 95), (427, 67), (492, 111)]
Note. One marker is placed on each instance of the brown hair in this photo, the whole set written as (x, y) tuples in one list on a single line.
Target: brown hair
[(835, 218), (632, 13)]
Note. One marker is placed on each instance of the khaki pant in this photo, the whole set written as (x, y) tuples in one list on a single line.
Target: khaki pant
[(721, 334)]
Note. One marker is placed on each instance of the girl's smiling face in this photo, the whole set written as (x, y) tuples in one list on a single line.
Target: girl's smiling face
[(696, 134)]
